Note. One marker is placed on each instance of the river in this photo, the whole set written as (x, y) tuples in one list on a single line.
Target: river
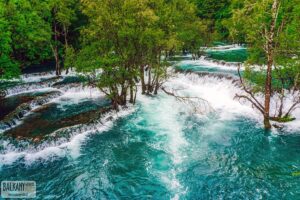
[(158, 149)]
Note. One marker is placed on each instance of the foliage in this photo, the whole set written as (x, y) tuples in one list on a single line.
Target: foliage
[(270, 30), (214, 13), (26, 32), (125, 39), (24, 35)]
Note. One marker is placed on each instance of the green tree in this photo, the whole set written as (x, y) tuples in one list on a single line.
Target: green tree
[(63, 14), (24, 35), (125, 40), (266, 26), (8, 67), (214, 13)]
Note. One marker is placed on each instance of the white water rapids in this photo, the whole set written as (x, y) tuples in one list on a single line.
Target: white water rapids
[(218, 91)]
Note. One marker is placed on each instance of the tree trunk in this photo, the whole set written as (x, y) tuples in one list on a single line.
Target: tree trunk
[(57, 66), (149, 89), (65, 35), (156, 85), (135, 92), (66, 43), (296, 81), (270, 60), (267, 123), (131, 100), (56, 54), (268, 87), (142, 75)]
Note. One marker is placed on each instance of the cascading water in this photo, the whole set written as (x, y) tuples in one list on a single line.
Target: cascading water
[(158, 149)]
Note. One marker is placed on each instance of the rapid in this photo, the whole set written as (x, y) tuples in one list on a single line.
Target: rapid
[(159, 148)]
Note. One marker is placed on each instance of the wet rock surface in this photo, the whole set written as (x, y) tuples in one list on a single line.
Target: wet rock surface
[(15, 108), (7, 105), (51, 117)]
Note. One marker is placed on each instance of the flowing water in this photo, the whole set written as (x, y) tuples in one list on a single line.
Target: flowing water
[(159, 149)]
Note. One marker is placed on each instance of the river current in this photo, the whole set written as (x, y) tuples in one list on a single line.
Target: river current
[(57, 132)]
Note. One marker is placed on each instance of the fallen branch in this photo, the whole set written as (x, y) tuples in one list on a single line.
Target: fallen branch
[(195, 102)]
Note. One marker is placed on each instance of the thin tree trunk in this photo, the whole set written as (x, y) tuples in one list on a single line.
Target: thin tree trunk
[(131, 100), (281, 104), (296, 81), (268, 88), (149, 89), (57, 66), (156, 83), (66, 35), (135, 92), (56, 55), (142, 75), (66, 42), (270, 60)]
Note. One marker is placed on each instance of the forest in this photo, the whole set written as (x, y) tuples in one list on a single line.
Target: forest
[(172, 78), (126, 39)]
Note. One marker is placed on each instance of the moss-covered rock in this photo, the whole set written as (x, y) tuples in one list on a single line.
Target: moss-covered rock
[(283, 119)]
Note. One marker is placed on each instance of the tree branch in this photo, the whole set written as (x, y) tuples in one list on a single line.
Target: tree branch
[(189, 101), (257, 103)]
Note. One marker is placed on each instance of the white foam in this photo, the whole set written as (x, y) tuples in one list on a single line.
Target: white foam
[(231, 47), (44, 89), (220, 93), (204, 62), (37, 77), (82, 92), (71, 147), (162, 115)]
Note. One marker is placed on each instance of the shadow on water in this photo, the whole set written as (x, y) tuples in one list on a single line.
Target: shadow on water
[(37, 68)]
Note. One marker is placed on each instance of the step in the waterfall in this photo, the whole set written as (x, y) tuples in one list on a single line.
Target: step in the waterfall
[(32, 86), (58, 118), (22, 106)]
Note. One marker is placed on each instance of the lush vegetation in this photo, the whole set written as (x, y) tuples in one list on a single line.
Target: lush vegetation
[(123, 45), (35, 31), (38, 31), (270, 29)]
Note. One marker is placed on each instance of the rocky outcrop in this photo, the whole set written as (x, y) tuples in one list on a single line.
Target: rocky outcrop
[(55, 130), (15, 116)]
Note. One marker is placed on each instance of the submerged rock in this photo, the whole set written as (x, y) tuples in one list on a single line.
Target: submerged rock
[(8, 105), (24, 104), (44, 125)]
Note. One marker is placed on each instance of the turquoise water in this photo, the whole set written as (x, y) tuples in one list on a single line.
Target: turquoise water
[(220, 159), (194, 67), (159, 149), (234, 55), (221, 61)]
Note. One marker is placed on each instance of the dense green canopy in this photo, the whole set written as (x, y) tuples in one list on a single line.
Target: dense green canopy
[(121, 44)]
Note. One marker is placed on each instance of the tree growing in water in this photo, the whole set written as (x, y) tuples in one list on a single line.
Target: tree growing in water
[(266, 26), (125, 41)]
